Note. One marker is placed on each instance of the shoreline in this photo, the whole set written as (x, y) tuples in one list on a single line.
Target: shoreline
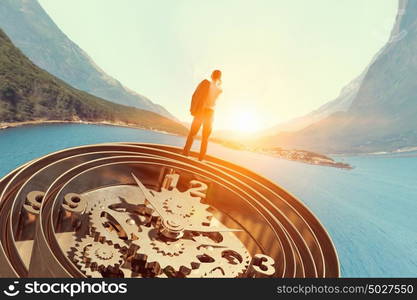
[(378, 154), (323, 163), (9, 125), (296, 155)]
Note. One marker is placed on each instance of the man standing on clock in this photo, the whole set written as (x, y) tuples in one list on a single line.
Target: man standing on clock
[(202, 108)]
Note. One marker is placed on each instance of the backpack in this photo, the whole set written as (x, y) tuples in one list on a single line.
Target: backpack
[(199, 97)]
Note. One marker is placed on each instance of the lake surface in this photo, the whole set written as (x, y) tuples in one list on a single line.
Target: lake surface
[(370, 212)]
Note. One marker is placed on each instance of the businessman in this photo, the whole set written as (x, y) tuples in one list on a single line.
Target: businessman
[(202, 108)]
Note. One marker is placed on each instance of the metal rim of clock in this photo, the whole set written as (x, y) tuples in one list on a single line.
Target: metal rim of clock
[(305, 240)]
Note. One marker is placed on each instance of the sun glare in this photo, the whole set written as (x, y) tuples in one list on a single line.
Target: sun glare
[(245, 121)]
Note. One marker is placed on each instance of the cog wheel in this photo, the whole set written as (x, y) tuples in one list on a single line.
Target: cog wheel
[(181, 255), (93, 257), (184, 205), (195, 256), (114, 226), (174, 248), (225, 259)]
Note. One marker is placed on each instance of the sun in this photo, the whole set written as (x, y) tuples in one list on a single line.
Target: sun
[(245, 121)]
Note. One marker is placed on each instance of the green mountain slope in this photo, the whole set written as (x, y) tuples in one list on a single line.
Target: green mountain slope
[(30, 93), (32, 31)]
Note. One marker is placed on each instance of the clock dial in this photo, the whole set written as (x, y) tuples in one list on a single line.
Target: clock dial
[(133, 210)]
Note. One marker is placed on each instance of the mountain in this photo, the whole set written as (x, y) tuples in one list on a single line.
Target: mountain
[(34, 32), (341, 103), (382, 114), (29, 93)]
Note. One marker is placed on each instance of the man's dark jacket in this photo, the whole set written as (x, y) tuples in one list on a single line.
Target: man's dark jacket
[(199, 98)]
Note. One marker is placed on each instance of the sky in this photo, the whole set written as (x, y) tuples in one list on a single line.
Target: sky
[(280, 59)]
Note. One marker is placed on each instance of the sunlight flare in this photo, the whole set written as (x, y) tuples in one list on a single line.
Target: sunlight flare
[(245, 121)]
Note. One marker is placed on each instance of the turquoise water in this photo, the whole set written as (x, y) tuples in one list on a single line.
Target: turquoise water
[(370, 212)]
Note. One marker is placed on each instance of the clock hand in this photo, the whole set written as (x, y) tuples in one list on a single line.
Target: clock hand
[(151, 199), (208, 229)]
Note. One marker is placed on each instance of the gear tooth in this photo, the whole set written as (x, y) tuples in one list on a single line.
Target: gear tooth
[(131, 250), (90, 262), (184, 271)]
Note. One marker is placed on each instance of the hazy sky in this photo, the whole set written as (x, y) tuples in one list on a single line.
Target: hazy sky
[(280, 58)]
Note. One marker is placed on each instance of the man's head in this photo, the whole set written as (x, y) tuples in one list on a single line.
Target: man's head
[(216, 75)]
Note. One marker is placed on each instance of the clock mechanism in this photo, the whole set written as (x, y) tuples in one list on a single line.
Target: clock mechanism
[(146, 233), (144, 210)]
